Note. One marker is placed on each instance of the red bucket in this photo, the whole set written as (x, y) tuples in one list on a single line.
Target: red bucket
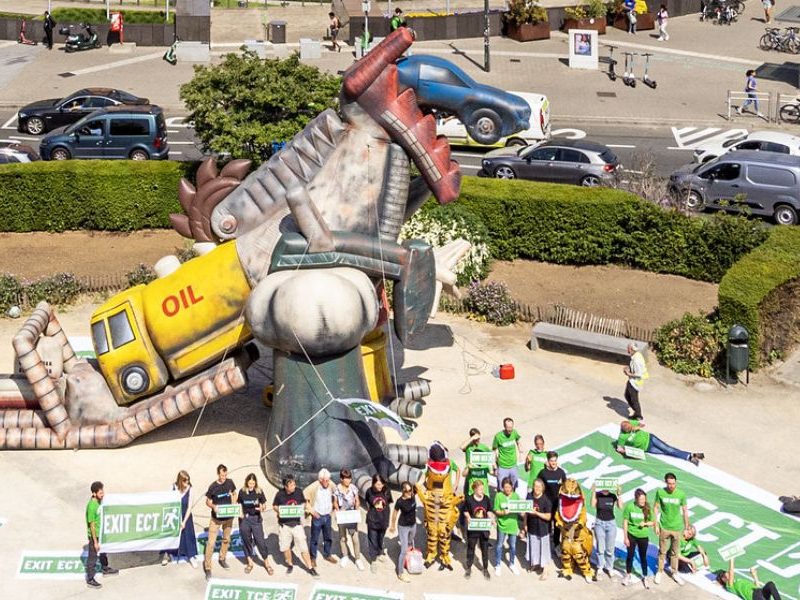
[(507, 371)]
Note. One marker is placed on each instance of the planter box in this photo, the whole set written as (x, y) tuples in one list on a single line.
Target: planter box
[(528, 32), (644, 22), (598, 25)]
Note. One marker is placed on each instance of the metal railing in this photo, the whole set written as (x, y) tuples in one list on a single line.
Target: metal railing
[(765, 101)]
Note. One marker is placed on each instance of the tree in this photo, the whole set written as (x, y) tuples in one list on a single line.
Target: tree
[(244, 104)]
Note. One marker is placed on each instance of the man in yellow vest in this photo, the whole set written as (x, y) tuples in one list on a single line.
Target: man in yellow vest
[(636, 372)]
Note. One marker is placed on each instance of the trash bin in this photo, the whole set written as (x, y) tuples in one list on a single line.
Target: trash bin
[(277, 32), (738, 351)]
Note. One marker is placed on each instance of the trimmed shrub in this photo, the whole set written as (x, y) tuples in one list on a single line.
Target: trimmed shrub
[(491, 302), (691, 345), (112, 195), (762, 293), (10, 292), (61, 288), (142, 274), (96, 16)]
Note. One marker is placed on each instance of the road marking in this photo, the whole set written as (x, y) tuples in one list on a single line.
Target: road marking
[(24, 138), (569, 133), (470, 167), (172, 131), (620, 146), (7, 124), (689, 138), (119, 63), (176, 153), (181, 143)]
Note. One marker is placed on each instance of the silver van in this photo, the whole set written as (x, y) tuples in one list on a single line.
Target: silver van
[(759, 183)]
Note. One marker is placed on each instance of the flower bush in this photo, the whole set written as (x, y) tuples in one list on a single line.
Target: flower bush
[(61, 288), (142, 274), (521, 12), (691, 345), (492, 302)]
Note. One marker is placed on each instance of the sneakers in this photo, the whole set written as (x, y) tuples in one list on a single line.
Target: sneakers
[(224, 564), (657, 578), (646, 583), (698, 456), (486, 575), (404, 578), (607, 572), (760, 114), (313, 572), (739, 110), (497, 572), (515, 568), (360, 564), (627, 579), (331, 559), (289, 569), (93, 583), (165, 558), (678, 578), (208, 575), (313, 563), (194, 562), (382, 557), (373, 568), (588, 579), (467, 573), (344, 562)]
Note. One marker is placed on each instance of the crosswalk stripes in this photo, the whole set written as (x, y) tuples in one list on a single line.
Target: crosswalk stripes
[(689, 138)]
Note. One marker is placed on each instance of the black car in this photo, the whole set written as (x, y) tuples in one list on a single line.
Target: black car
[(13, 153), (40, 117)]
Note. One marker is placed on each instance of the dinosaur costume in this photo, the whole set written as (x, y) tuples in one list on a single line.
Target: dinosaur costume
[(576, 538), (440, 504)]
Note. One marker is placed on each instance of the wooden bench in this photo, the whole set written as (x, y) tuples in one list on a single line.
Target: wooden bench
[(579, 338)]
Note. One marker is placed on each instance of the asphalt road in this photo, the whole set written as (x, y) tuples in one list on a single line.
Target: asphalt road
[(667, 147)]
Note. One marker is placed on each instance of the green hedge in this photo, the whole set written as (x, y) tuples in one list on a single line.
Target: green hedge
[(97, 16), (750, 282), (113, 195), (574, 225)]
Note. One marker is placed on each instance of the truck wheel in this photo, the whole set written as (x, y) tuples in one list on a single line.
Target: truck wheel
[(60, 154), (785, 215), (485, 126), (135, 380)]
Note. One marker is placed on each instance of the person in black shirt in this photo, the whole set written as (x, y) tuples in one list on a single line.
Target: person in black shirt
[(290, 529), (553, 476), (378, 499), (605, 527), (537, 529), (254, 503), (477, 506), (405, 512), (219, 492), (49, 24)]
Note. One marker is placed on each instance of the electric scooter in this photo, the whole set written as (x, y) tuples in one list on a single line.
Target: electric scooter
[(612, 63), (628, 78), (171, 54), (77, 42), (23, 39), (646, 79)]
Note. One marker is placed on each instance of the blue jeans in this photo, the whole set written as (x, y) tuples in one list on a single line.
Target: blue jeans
[(321, 525), (512, 548), (658, 446), (751, 99), (605, 532)]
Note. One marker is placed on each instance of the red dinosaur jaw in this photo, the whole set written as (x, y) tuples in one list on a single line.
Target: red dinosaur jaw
[(569, 507)]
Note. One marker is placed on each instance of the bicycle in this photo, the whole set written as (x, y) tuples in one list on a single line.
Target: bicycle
[(722, 12), (790, 112), (782, 42)]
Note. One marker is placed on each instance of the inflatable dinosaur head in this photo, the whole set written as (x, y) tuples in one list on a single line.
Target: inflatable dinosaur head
[(437, 473), (571, 504)]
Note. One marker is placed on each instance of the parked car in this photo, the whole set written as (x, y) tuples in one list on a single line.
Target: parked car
[(765, 141), (577, 162), (761, 183), (488, 113), (454, 130), (43, 116), (135, 132), (11, 153)]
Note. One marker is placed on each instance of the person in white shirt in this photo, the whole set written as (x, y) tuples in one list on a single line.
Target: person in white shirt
[(320, 500), (636, 372), (345, 498)]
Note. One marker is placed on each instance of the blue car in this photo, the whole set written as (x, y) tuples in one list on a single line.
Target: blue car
[(488, 113)]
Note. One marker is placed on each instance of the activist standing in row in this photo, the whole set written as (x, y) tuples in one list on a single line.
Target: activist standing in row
[(506, 446), (473, 472), (404, 515), (507, 528), (290, 528), (636, 521), (672, 519), (536, 459), (251, 527), (92, 521), (537, 530), (605, 526), (345, 498), (319, 496), (379, 500), (187, 546), (477, 506), (220, 492), (553, 476)]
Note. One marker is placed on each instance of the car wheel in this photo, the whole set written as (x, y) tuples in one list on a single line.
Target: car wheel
[(486, 126), (590, 181), (516, 142), (35, 126), (694, 201), (60, 154), (139, 154), (135, 380), (504, 172), (785, 215)]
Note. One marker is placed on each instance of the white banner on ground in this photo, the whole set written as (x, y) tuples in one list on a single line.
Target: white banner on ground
[(373, 411), (53, 564), (146, 521), (462, 597), (233, 589), (324, 591)]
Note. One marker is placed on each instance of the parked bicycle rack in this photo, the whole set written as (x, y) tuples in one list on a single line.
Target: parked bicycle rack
[(735, 99), (792, 115)]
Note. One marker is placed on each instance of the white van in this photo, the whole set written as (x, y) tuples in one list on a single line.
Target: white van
[(539, 130)]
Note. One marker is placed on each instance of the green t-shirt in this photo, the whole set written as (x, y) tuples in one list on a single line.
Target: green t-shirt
[(474, 473), (635, 516), (506, 446), (637, 439), (688, 547), (507, 523), (538, 461), (93, 516), (670, 504), (742, 588)]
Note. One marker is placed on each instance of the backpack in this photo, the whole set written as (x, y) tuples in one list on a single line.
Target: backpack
[(414, 562)]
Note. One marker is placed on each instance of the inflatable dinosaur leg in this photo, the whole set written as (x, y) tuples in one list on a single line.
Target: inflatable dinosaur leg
[(566, 557), (432, 541), (444, 543), (586, 544)]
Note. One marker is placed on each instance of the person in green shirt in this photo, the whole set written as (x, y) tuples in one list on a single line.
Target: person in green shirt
[(672, 519), (506, 447), (507, 527), (473, 474), (747, 590), (636, 523), (690, 549), (536, 459), (93, 533), (633, 435), (397, 20)]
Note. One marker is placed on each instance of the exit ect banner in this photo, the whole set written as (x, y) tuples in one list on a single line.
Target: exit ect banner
[(131, 522)]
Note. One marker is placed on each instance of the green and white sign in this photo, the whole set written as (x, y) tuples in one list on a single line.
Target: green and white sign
[(732, 550), (372, 411), (606, 483), (236, 546), (520, 506), (342, 592), (232, 589), (226, 511), (148, 521), (635, 453), (292, 511), (480, 525), (697, 559), (463, 597), (46, 564), (479, 460)]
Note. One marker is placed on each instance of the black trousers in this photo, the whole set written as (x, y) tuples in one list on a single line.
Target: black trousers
[(768, 592), (632, 398), (252, 533), (555, 532), (640, 544), (91, 561), (375, 542), (48, 33), (473, 539)]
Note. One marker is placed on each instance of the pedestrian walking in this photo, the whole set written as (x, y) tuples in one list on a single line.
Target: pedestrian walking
[(690, 550), (320, 503), (744, 588), (767, 5), (477, 506), (752, 96), (553, 476), (398, 20), (662, 16), (49, 24), (636, 523), (334, 25), (290, 528), (251, 528), (93, 533), (536, 459), (404, 521), (605, 526), (636, 372), (506, 447), (117, 27), (630, 11), (537, 530), (345, 498), (507, 527), (633, 435), (187, 546), (671, 517), (379, 500), (219, 492)]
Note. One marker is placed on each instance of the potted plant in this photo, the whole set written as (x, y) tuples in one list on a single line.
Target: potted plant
[(645, 20), (591, 15), (526, 20)]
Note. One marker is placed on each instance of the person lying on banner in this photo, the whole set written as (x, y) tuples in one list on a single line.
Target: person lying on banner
[(633, 435)]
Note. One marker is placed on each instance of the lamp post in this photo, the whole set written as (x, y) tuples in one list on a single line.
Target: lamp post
[(486, 35), (365, 6)]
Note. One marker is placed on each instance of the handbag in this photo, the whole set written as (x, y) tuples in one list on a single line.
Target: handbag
[(414, 562)]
